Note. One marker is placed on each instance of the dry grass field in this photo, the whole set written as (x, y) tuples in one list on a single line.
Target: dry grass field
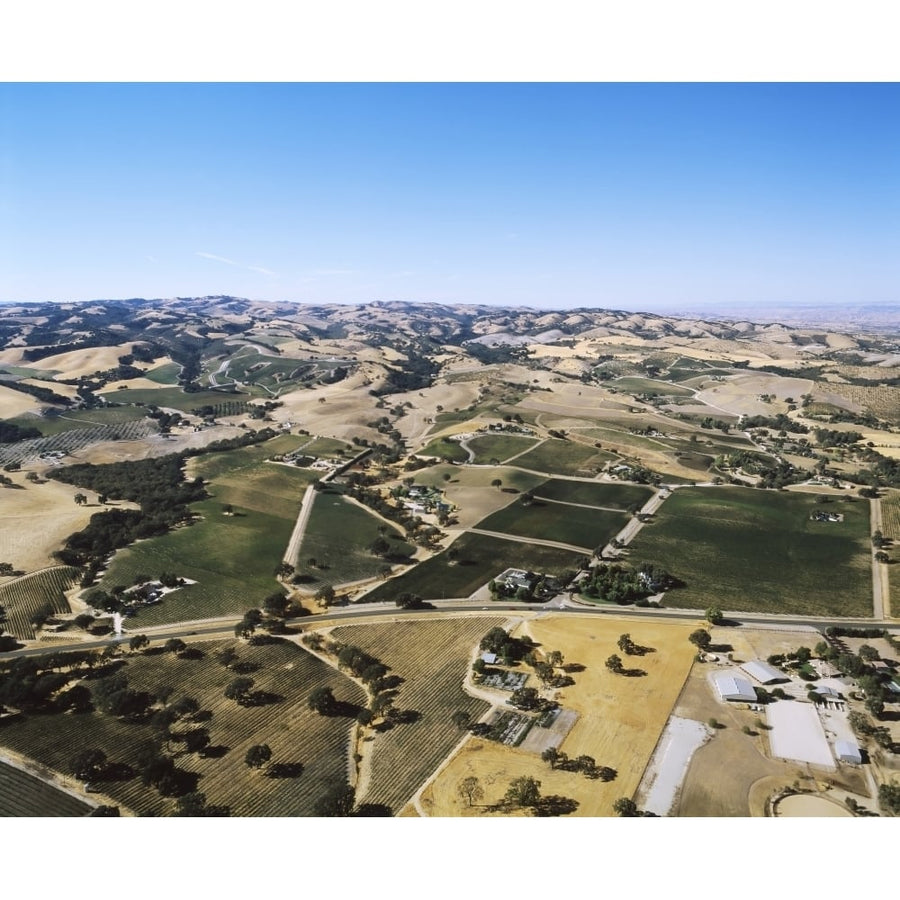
[(15, 403), (35, 520), (620, 717)]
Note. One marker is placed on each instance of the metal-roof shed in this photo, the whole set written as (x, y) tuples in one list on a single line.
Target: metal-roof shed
[(763, 672), (848, 751), (731, 687)]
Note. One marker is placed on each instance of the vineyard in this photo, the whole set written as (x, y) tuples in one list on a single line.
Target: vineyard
[(40, 593), (309, 751), (231, 558), (890, 516), (890, 524), (560, 522), (338, 536), (881, 400), (225, 408), (613, 496), (24, 795), (563, 458), (433, 658), (479, 559), (66, 442)]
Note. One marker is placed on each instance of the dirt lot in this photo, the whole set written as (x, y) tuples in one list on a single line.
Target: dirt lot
[(733, 774), (620, 718)]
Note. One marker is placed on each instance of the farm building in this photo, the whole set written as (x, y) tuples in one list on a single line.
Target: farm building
[(515, 578), (489, 658), (848, 751), (732, 687), (824, 690), (763, 672)]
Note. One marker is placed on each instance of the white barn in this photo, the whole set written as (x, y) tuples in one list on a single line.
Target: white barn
[(848, 751), (732, 687), (763, 672)]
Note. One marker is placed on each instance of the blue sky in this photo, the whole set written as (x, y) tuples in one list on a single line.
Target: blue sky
[(636, 196)]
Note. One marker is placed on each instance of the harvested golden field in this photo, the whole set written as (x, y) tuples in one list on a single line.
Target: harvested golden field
[(15, 403), (35, 520), (76, 363), (620, 718)]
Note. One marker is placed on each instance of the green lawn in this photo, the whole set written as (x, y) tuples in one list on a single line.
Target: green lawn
[(499, 446), (338, 536), (616, 496), (564, 458), (745, 549), (480, 559), (560, 522)]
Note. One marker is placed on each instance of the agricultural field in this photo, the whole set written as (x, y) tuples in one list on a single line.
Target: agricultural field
[(232, 558), (769, 555), (322, 446), (558, 457), (444, 448), (890, 522), (71, 440), (38, 594), (24, 795), (620, 718), (433, 658), (338, 536), (635, 385), (54, 422), (479, 559), (166, 374), (499, 447), (315, 748), (176, 398), (559, 522), (592, 493)]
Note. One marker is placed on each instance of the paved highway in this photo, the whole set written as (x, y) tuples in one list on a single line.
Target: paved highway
[(559, 605)]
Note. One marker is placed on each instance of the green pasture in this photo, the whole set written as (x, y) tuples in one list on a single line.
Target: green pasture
[(636, 385), (751, 550), (444, 449), (563, 458), (167, 373), (499, 446), (480, 558), (560, 522)]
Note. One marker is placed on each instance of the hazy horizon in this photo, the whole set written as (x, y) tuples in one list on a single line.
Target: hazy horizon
[(646, 197)]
